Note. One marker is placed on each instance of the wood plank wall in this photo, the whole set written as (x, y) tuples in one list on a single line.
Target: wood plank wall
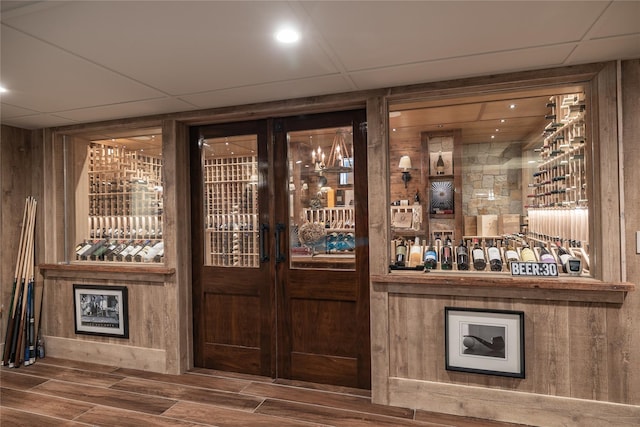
[(16, 185)]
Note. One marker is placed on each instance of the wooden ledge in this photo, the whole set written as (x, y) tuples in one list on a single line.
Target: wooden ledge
[(494, 285), (111, 271)]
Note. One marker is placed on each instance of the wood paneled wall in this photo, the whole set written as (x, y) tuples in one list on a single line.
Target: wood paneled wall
[(15, 186)]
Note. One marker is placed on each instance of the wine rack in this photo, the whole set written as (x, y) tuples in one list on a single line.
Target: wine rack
[(125, 207), (558, 198), (415, 253), (231, 208), (334, 219)]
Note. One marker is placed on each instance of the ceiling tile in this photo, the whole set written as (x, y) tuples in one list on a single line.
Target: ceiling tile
[(627, 47), (43, 78), (130, 109), (518, 60), (182, 47), (270, 92), (410, 32), (620, 18), (37, 121)]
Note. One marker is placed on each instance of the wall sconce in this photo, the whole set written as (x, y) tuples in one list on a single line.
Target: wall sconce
[(405, 165)]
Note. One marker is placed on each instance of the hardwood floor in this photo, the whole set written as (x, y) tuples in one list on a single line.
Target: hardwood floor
[(56, 392)]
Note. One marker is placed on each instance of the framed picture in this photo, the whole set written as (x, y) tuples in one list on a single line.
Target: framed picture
[(442, 197), (101, 310), (484, 341), (447, 158)]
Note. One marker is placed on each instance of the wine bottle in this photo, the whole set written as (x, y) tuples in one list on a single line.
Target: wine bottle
[(440, 165), (495, 259), (155, 250), (462, 257), (132, 255), (446, 256), (99, 253), (564, 255), (479, 261), (511, 255), (527, 254), (545, 255), (430, 258), (401, 254), (126, 251)]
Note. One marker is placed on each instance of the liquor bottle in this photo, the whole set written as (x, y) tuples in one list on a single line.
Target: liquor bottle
[(495, 259), (462, 257), (527, 254), (132, 255), (113, 256), (446, 256), (479, 261), (545, 255), (440, 165), (87, 254), (430, 258), (563, 254), (401, 254), (415, 253)]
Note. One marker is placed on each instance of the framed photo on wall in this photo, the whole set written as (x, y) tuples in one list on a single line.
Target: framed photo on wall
[(101, 310), (484, 341)]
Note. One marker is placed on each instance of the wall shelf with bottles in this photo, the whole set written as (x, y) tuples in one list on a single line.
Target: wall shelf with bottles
[(483, 254), (125, 206)]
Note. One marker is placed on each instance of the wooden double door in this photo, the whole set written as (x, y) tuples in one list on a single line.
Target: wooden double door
[(280, 248)]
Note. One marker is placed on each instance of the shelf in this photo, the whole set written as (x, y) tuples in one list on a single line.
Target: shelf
[(503, 285), (112, 272)]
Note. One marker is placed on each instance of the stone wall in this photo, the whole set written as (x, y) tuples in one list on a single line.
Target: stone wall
[(492, 179)]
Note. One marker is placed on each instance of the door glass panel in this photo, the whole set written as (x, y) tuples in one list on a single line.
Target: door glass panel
[(321, 199), (230, 178)]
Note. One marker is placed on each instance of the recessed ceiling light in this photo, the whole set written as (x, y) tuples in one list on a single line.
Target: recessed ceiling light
[(502, 120), (493, 136), (512, 106), (287, 35)]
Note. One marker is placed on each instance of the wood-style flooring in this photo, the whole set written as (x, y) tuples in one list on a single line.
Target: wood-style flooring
[(56, 392)]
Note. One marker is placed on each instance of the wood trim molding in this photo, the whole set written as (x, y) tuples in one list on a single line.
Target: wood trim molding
[(117, 272)]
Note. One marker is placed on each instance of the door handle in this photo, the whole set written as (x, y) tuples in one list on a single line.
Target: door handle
[(279, 255), (264, 229)]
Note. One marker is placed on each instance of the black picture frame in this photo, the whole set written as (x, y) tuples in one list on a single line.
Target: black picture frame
[(484, 341), (101, 310)]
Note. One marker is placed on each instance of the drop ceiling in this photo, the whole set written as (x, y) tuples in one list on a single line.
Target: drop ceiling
[(70, 62)]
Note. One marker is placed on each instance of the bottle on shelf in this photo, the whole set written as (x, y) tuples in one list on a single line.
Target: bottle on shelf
[(479, 261), (527, 254), (511, 254), (462, 256), (495, 258), (401, 254), (415, 253), (440, 164), (545, 255), (563, 255), (446, 256), (430, 258)]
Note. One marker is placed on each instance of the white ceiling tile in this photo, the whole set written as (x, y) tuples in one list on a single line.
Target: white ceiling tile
[(130, 109), (620, 18), (627, 47), (43, 78), (37, 121), (269, 92), (182, 47), (371, 34), (469, 66), (8, 111)]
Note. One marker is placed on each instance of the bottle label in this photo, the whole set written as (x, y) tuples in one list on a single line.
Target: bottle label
[(494, 253), (478, 254), (430, 256)]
